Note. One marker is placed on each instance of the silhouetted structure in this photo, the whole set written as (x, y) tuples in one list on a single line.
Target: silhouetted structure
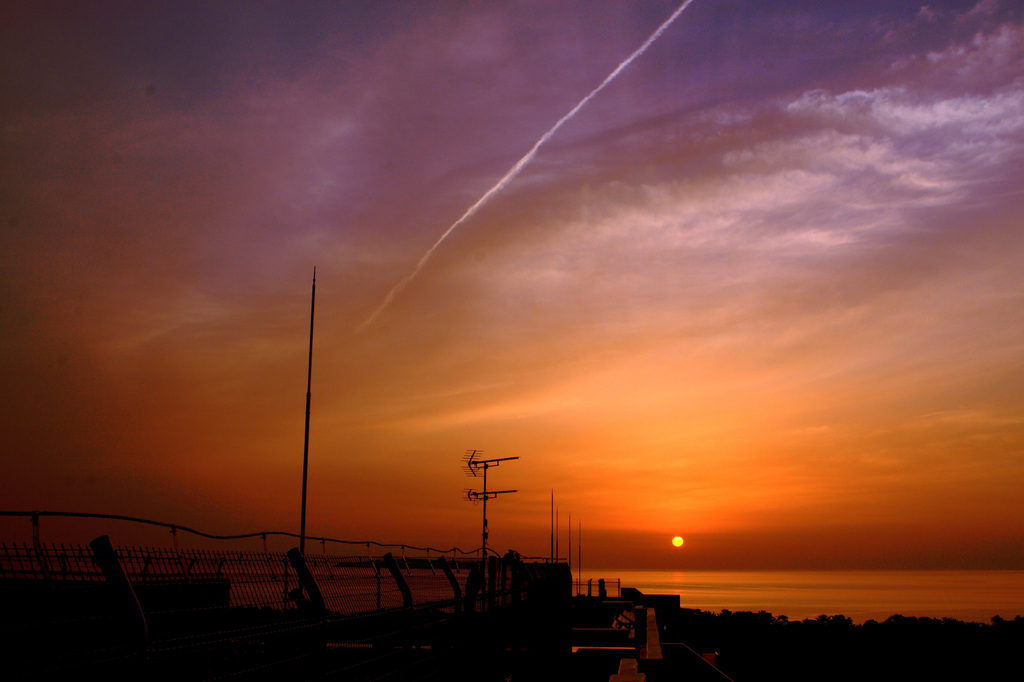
[(698, 645), (195, 614), (309, 396), (472, 465)]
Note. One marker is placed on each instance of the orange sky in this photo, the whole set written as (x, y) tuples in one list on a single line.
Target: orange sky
[(764, 291)]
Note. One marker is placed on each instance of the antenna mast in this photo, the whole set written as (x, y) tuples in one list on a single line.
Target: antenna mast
[(471, 465), (305, 446)]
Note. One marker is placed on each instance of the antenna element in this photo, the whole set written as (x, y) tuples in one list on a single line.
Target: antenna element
[(472, 466)]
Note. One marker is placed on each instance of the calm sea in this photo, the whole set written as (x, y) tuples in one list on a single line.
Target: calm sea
[(861, 595)]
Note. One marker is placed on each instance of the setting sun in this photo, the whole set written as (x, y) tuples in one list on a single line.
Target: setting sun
[(677, 541)]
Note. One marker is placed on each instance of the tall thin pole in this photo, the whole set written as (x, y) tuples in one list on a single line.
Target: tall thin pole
[(579, 557), (483, 545), (552, 524), (305, 446)]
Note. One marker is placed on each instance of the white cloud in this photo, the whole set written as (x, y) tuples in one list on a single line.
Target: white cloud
[(988, 56), (897, 111), (933, 145)]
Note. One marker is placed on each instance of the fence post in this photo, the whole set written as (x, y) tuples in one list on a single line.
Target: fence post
[(474, 583), (503, 589), (376, 570), (396, 573), (35, 530), (456, 591), (306, 580), (492, 579), (106, 558)]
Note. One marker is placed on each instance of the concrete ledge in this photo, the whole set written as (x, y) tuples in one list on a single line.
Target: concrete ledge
[(628, 672), (651, 649)]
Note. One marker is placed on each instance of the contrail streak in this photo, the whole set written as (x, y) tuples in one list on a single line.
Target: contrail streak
[(518, 167)]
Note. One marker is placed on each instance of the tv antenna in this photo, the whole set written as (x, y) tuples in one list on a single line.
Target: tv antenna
[(472, 466)]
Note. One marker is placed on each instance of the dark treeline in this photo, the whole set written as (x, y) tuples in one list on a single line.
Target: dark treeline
[(760, 646)]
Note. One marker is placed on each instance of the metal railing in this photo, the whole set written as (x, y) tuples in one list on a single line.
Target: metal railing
[(35, 516), (258, 580), (600, 587), (205, 607)]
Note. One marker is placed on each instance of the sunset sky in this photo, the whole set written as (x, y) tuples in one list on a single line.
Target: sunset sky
[(765, 290)]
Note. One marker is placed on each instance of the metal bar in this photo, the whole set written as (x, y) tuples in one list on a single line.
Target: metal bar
[(396, 573), (305, 446), (307, 581), (456, 591), (492, 565), (113, 572)]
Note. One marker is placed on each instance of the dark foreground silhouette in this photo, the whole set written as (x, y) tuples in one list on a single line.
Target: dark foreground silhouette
[(157, 613), (759, 646)]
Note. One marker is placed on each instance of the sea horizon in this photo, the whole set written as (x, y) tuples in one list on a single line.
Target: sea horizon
[(972, 595)]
